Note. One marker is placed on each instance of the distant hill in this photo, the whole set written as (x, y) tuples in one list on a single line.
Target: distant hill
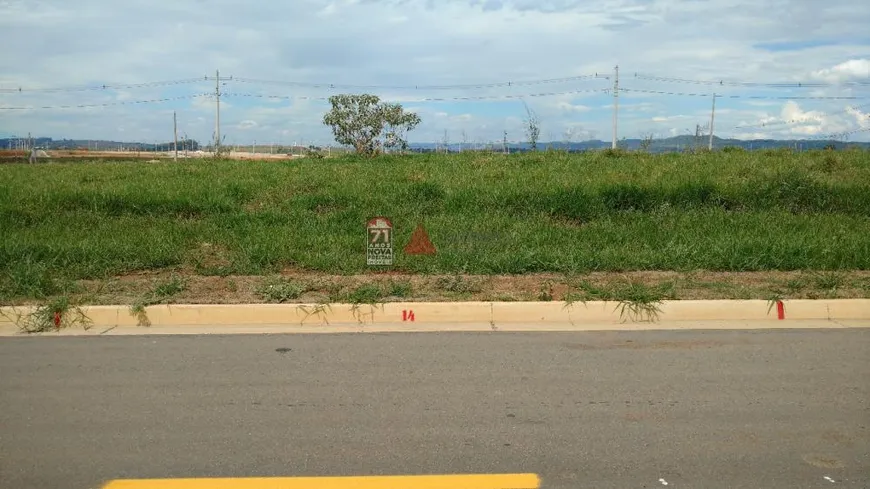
[(97, 145), (677, 143)]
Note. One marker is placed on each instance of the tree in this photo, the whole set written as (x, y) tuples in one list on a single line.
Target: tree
[(646, 142), (533, 128), (398, 123), (360, 120)]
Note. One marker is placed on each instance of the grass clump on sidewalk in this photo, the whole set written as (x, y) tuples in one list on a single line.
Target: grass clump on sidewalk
[(53, 315)]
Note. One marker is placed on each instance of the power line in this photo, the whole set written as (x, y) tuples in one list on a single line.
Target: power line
[(840, 135), (798, 121), (112, 86), (421, 87), (754, 97), (427, 99), (750, 84), (104, 86), (566, 79), (108, 104)]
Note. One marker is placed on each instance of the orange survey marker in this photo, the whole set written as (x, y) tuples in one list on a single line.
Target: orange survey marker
[(420, 243)]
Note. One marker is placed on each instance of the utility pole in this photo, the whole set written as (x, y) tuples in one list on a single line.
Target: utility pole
[(32, 156), (217, 119), (175, 131), (615, 103), (712, 118)]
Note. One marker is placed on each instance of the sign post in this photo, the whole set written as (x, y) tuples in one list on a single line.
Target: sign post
[(379, 242)]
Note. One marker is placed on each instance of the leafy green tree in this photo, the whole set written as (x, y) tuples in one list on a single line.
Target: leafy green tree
[(398, 123), (362, 120)]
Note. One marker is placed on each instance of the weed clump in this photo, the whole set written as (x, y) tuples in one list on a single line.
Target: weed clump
[(54, 315)]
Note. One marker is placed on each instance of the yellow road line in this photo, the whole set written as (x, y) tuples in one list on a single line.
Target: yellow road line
[(475, 481)]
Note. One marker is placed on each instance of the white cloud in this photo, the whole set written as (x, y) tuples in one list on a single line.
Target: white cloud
[(569, 107), (670, 118), (410, 43), (328, 10), (852, 70), (793, 121), (861, 118)]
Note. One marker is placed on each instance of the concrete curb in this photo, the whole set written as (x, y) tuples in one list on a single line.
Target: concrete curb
[(496, 314)]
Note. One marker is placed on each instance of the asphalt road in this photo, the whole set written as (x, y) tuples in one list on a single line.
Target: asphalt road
[(699, 409)]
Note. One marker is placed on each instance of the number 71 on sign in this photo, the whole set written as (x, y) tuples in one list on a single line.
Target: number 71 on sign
[(378, 234)]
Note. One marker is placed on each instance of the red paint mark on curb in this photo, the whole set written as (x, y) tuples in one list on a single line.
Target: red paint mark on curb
[(408, 316), (57, 320), (780, 310)]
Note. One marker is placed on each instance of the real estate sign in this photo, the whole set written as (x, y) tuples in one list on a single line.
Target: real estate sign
[(379, 241)]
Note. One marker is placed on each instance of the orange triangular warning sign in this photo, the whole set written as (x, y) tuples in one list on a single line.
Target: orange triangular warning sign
[(420, 243)]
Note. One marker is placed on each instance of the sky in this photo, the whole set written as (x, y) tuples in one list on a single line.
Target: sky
[(470, 68)]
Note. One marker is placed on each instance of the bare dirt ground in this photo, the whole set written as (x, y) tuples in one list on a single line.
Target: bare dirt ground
[(181, 287)]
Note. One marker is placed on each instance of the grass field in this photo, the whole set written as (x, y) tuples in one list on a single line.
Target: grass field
[(486, 213)]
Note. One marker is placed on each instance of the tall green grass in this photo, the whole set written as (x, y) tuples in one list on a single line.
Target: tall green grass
[(486, 213)]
